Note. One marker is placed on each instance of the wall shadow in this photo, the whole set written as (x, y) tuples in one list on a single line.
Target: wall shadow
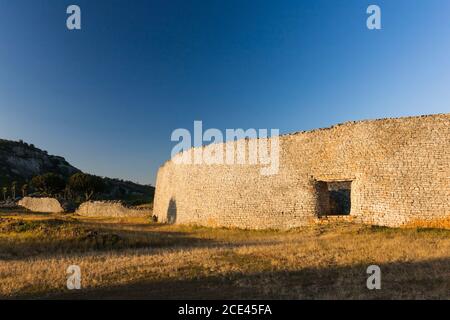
[(417, 280), (172, 212)]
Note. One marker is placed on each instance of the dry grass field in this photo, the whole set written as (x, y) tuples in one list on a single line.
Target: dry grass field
[(135, 259)]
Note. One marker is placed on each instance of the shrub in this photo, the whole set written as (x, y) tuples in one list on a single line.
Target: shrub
[(49, 183), (86, 184)]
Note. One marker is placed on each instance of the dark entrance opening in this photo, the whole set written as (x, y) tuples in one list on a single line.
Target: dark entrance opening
[(334, 198)]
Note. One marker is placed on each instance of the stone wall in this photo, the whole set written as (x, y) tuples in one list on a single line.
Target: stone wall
[(50, 205), (110, 209), (399, 171)]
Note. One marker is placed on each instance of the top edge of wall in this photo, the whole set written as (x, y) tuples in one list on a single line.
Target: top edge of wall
[(346, 123), (338, 125)]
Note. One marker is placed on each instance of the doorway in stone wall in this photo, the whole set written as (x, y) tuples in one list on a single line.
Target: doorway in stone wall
[(334, 198)]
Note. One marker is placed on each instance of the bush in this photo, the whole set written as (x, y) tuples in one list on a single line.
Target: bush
[(50, 183), (86, 184)]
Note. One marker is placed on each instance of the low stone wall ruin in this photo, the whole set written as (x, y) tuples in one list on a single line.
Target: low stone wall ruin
[(110, 209), (50, 205)]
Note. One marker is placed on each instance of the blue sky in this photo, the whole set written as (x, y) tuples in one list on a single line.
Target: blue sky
[(109, 96)]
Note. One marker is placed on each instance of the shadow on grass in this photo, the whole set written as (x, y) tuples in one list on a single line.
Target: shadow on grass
[(419, 280), (21, 239)]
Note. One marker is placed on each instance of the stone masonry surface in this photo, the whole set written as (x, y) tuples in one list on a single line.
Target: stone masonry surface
[(399, 171), (51, 205), (110, 209)]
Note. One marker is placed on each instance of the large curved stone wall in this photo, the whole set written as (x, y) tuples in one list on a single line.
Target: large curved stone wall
[(399, 168)]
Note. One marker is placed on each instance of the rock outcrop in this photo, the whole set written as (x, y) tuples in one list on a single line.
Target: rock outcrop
[(20, 162)]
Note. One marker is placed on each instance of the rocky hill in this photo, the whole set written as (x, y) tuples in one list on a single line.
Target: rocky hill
[(20, 161)]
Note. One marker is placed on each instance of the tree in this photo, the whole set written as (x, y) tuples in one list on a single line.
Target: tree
[(13, 189), (49, 183), (4, 191), (24, 190), (86, 184)]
